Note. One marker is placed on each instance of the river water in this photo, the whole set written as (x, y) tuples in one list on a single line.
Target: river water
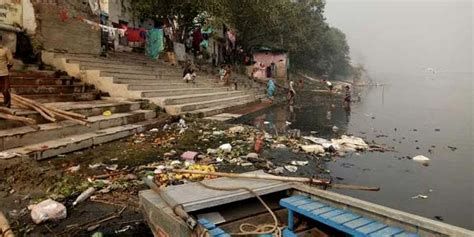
[(422, 117)]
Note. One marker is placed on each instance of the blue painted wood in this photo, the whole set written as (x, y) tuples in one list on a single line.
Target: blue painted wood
[(288, 233), (322, 210), (340, 219), (313, 205), (207, 224), (407, 234), (346, 217), (389, 231), (216, 232), (290, 219), (358, 223), (370, 228), (334, 213)]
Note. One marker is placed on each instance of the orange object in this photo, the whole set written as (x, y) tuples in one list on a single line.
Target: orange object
[(258, 144)]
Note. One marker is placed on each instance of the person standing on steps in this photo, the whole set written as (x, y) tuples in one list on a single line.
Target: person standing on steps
[(291, 93), (5, 65)]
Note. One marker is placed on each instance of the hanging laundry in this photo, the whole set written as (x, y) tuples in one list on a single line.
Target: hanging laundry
[(154, 43), (197, 38), (63, 15), (95, 8), (136, 34)]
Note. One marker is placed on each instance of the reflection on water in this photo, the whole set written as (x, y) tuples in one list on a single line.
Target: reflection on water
[(425, 117)]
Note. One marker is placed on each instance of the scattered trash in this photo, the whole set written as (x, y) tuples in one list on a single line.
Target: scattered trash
[(437, 129), (97, 234), (252, 156), (439, 218), (246, 164), (48, 210), (237, 129), (154, 130), (189, 155), (218, 133), (182, 123), (258, 144), (226, 147), (335, 128), (84, 195), (113, 167), (287, 123), (8, 155), (124, 229), (291, 168), (95, 166), (350, 143), (74, 169), (452, 148), (299, 163), (312, 148), (420, 196), (211, 151), (421, 159), (107, 113), (266, 122), (278, 146)]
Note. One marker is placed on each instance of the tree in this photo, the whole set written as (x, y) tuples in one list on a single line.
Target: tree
[(298, 26)]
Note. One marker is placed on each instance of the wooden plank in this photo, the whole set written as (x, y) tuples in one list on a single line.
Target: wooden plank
[(406, 234), (389, 231), (312, 206), (372, 227), (334, 213), (202, 197), (302, 202), (344, 218), (323, 210), (358, 223)]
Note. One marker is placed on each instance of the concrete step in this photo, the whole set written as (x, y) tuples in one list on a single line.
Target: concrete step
[(52, 148), (186, 99), (49, 89), (141, 81), (180, 91), (111, 60), (118, 66), (189, 107), (170, 85), (48, 98), (12, 138), (222, 108), (33, 81), (141, 75)]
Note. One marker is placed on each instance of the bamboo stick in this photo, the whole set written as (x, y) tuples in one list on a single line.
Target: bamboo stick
[(27, 121), (279, 178), (81, 122), (68, 113), (5, 229), (37, 109), (7, 111), (34, 104)]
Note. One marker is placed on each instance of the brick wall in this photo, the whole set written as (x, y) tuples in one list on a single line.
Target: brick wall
[(59, 30)]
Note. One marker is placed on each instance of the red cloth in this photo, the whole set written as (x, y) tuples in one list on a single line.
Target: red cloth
[(135, 35), (197, 38)]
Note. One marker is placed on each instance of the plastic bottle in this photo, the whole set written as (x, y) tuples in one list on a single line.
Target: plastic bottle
[(84, 195)]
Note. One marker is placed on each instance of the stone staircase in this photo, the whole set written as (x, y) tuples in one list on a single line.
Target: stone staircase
[(44, 86), (61, 137), (68, 93), (134, 76)]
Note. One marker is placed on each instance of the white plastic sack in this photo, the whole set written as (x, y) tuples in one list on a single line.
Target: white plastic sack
[(226, 147), (312, 148), (48, 210)]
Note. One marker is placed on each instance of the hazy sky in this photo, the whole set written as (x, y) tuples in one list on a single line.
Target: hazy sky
[(405, 36)]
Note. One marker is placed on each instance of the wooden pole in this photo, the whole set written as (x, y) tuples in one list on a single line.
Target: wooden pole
[(27, 121), (5, 229), (279, 178)]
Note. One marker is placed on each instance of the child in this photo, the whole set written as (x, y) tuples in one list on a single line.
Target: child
[(347, 97), (222, 73), (190, 76)]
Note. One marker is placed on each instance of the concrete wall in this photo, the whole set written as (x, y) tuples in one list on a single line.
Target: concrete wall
[(267, 58), (29, 17), (117, 10), (69, 35)]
